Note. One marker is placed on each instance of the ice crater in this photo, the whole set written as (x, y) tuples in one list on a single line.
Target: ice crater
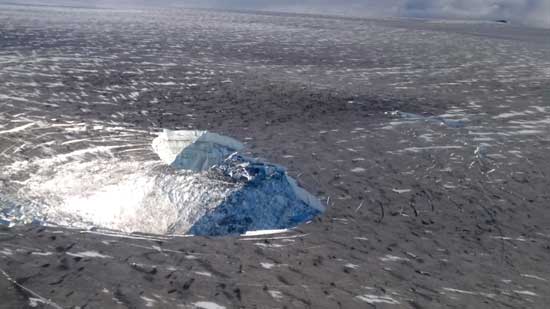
[(201, 186)]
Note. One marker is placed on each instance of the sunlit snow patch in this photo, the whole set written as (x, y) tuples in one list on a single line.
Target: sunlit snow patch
[(201, 186), (194, 150)]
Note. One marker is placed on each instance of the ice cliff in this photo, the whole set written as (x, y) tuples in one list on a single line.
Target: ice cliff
[(267, 199)]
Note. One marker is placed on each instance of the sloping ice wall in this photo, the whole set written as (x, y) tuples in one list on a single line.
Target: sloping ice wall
[(267, 199)]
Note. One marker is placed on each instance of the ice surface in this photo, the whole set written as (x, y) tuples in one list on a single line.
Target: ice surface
[(194, 150), (264, 232), (201, 186), (452, 123), (269, 199), (126, 196)]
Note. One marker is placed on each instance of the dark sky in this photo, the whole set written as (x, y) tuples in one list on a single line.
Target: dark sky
[(534, 12)]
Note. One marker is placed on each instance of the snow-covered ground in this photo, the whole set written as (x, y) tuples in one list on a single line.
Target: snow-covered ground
[(428, 142)]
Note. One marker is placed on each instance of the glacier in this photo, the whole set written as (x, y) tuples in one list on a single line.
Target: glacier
[(200, 185), (267, 199), (193, 149)]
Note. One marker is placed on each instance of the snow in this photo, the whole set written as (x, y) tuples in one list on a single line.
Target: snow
[(524, 292), (264, 232), (6, 251), (194, 150), (533, 277), (149, 302), (453, 290), (89, 254), (207, 305), (34, 302), (42, 253), (419, 149), (373, 299), (393, 258), (275, 294), (203, 273), (18, 129)]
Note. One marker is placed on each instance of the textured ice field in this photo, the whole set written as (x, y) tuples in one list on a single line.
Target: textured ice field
[(112, 68), (429, 142)]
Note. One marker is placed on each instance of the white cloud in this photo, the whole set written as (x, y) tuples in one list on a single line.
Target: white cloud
[(535, 12)]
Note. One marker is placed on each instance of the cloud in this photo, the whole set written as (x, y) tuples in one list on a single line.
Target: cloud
[(524, 11), (509, 9), (534, 12)]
